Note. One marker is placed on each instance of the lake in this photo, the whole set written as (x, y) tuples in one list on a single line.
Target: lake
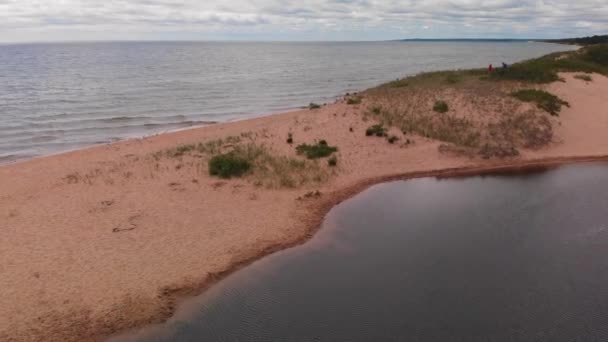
[(59, 97), (492, 258)]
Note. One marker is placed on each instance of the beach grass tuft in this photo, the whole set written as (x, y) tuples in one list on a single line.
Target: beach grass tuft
[(441, 107), (354, 100), (376, 130), (583, 77), (316, 151)]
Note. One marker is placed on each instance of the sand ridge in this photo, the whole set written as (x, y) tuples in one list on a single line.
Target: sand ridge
[(108, 238)]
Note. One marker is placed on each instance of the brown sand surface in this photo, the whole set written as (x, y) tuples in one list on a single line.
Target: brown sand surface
[(107, 238)]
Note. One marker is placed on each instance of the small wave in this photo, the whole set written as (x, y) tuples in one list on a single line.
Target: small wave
[(44, 138)]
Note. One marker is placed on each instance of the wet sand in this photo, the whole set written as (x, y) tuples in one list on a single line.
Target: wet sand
[(109, 238)]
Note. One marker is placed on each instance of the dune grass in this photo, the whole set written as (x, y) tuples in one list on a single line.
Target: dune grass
[(544, 100), (241, 156), (267, 169), (376, 130), (441, 107), (583, 77), (545, 69), (354, 100), (316, 151)]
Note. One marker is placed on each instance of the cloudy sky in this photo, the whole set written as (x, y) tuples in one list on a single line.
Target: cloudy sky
[(51, 20)]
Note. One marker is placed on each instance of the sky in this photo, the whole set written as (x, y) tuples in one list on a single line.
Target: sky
[(303, 20)]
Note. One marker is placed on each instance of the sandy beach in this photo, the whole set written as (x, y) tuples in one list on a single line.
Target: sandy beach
[(109, 238)]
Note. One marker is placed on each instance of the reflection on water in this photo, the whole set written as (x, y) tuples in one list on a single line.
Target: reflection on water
[(499, 258)]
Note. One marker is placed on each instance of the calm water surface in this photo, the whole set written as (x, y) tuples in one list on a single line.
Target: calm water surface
[(497, 258), (57, 97)]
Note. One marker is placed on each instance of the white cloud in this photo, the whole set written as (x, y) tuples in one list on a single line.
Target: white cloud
[(22, 20)]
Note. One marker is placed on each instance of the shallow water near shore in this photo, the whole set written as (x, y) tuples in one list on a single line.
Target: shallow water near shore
[(59, 97), (492, 258)]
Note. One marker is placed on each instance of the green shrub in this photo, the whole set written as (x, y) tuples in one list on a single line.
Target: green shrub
[(543, 100), (313, 105), (377, 130), (440, 107), (354, 100), (332, 161), (320, 150), (228, 165)]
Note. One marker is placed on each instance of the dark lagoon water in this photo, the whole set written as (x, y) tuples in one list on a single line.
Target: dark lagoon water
[(495, 258), (57, 97)]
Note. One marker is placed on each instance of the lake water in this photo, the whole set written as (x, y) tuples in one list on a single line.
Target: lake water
[(58, 97), (494, 258)]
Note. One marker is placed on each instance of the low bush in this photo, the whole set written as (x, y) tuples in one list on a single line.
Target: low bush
[(319, 150), (392, 139), (377, 130), (290, 138), (228, 165), (332, 161), (354, 100), (313, 105), (441, 107), (543, 100)]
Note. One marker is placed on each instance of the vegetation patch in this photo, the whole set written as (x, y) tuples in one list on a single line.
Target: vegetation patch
[(545, 69), (319, 150), (265, 168), (354, 100), (583, 77), (544, 100), (332, 161), (488, 151), (392, 139), (228, 165), (290, 138), (441, 107), (313, 105), (452, 78), (376, 110), (376, 130)]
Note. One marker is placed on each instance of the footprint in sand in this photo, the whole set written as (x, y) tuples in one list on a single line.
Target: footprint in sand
[(130, 225)]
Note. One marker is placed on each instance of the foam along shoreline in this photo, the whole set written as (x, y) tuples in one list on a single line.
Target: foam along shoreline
[(109, 238)]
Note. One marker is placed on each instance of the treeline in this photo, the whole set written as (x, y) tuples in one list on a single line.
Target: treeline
[(582, 41)]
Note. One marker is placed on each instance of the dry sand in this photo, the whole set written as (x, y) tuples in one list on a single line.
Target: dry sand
[(107, 238)]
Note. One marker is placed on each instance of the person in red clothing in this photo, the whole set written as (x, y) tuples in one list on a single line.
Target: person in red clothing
[(490, 68)]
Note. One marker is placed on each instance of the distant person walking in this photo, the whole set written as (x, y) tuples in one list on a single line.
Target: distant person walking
[(490, 68), (504, 65)]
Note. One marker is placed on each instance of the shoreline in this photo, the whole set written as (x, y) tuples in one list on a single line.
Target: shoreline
[(318, 212), (112, 237), (14, 159)]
